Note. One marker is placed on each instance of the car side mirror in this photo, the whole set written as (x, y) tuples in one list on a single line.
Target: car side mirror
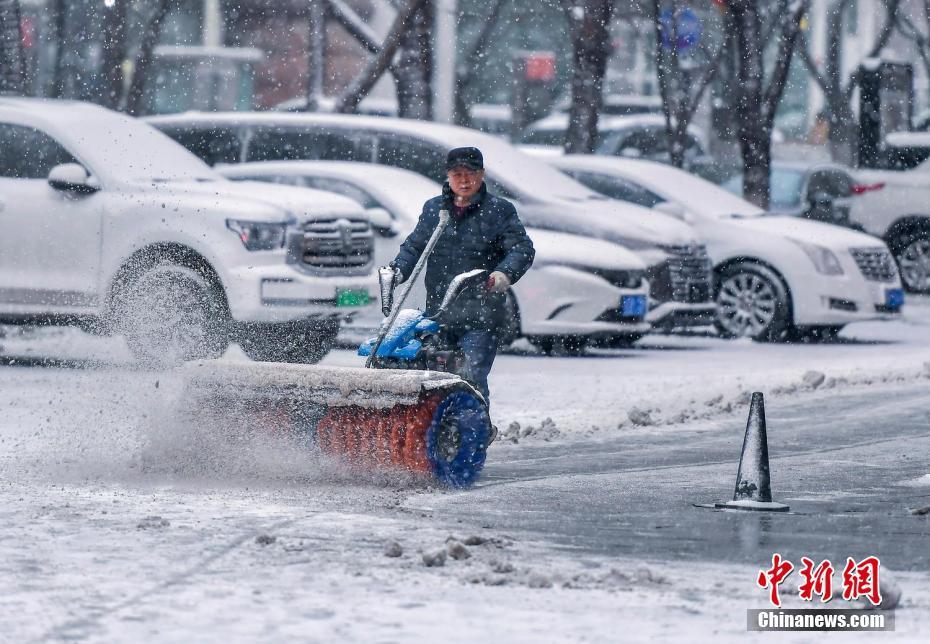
[(71, 177), (673, 209), (381, 221)]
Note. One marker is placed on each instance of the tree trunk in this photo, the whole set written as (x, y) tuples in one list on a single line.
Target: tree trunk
[(316, 53), (671, 89), (58, 19), (144, 58), (12, 57), (413, 74), (755, 145), (114, 53), (469, 63), (590, 30), (757, 102)]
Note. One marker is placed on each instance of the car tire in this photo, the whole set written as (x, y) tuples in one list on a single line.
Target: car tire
[(752, 301), (171, 313), (816, 334), (620, 341), (912, 253), (292, 343), (568, 345), (509, 330)]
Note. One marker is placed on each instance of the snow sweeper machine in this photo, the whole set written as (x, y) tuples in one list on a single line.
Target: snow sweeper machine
[(407, 409)]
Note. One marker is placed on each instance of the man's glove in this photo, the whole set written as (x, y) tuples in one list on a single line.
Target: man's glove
[(498, 282)]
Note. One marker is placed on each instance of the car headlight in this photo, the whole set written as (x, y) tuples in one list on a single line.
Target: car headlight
[(619, 278), (824, 259), (258, 235)]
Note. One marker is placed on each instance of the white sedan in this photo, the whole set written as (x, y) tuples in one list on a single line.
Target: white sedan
[(579, 289), (777, 277)]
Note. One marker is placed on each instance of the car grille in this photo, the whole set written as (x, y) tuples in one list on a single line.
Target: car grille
[(336, 243), (876, 264), (684, 277)]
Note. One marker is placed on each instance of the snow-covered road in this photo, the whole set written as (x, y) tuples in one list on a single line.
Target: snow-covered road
[(582, 527)]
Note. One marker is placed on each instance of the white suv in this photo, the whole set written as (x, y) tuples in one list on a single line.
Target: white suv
[(109, 225)]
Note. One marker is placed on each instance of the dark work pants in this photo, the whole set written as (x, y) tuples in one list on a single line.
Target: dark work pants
[(480, 349)]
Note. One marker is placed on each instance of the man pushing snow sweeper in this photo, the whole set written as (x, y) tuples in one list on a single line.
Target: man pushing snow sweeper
[(421, 403), (484, 233)]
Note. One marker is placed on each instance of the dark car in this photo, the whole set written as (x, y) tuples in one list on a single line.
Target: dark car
[(821, 191)]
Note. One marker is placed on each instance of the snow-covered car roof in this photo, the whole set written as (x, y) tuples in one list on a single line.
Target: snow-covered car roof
[(327, 104), (559, 121), (669, 182), (505, 163), (909, 139), (112, 144)]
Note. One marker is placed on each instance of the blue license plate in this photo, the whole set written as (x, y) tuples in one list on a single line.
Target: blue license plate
[(894, 298), (633, 306)]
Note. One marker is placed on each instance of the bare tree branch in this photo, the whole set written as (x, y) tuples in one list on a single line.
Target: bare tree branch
[(884, 36), (811, 65), (789, 28), (370, 75), (466, 70), (145, 57), (472, 58), (114, 52), (356, 27), (710, 72)]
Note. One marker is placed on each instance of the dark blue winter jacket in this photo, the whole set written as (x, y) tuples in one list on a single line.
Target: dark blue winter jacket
[(489, 235)]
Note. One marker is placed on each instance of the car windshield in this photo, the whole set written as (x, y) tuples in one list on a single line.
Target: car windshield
[(785, 187), (701, 196), (128, 149), (544, 137)]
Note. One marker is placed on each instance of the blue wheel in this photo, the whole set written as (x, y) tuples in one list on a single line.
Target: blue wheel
[(457, 440)]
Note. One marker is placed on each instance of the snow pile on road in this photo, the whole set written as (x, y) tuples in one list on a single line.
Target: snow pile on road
[(686, 380)]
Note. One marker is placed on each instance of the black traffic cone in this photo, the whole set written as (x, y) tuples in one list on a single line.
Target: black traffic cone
[(753, 488)]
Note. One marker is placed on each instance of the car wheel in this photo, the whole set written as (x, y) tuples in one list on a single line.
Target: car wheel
[(289, 343), (569, 345), (510, 328), (170, 314), (751, 302), (913, 255)]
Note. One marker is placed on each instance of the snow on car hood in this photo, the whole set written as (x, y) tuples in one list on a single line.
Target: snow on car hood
[(610, 220), (266, 200), (573, 250), (811, 232)]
